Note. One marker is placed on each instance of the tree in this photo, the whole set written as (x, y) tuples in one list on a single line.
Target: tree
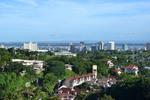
[(106, 97), (69, 73), (56, 67), (49, 82), (145, 72), (54, 98), (131, 89), (11, 85), (5, 57), (15, 67), (102, 68), (39, 94)]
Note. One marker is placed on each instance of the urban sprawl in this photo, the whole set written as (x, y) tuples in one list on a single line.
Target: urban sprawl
[(76, 71)]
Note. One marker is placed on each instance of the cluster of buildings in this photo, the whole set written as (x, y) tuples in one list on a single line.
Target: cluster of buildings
[(130, 69), (67, 90), (111, 45), (79, 47), (82, 47), (98, 46)]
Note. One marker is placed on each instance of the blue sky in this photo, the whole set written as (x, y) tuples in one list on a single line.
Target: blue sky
[(74, 20)]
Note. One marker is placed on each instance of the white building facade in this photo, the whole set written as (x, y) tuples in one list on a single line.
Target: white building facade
[(111, 45), (65, 53), (37, 64), (30, 46)]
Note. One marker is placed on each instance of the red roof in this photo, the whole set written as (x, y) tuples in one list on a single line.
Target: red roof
[(66, 91), (78, 77), (131, 67)]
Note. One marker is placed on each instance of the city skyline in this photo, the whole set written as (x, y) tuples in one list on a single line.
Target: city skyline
[(74, 20)]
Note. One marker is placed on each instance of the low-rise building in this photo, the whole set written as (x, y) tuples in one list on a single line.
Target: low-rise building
[(147, 67), (131, 69), (37, 64), (118, 71), (66, 90), (42, 50), (68, 67), (67, 93), (110, 63), (78, 80), (65, 53)]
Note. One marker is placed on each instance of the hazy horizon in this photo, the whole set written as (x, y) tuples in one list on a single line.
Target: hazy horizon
[(74, 20), (70, 41)]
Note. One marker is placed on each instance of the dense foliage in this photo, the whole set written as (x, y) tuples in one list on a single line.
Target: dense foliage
[(20, 82), (131, 89)]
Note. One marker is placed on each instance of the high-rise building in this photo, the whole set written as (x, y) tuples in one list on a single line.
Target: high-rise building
[(82, 47), (147, 46), (30, 46), (72, 48), (101, 45), (125, 47), (2, 46), (93, 48), (111, 45)]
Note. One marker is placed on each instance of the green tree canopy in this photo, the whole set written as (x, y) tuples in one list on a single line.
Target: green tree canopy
[(11, 85), (56, 67), (49, 82), (131, 89)]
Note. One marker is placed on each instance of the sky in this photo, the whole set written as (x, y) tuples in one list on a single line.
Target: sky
[(74, 20)]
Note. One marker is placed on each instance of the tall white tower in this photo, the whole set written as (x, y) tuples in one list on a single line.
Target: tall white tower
[(94, 70), (111, 45)]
